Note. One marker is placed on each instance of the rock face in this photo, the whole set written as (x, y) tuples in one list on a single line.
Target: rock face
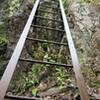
[(86, 37), (51, 91)]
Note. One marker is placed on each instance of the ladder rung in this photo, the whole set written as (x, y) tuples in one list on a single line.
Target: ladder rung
[(13, 97), (52, 3), (45, 18), (55, 9), (48, 11), (45, 41), (48, 6), (45, 62), (42, 6), (48, 28)]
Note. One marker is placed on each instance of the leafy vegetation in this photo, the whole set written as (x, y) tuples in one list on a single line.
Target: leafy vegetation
[(3, 29), (61, 76), (11, 7), (3, 46)]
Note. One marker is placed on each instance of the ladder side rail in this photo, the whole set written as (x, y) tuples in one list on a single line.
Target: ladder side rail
[(6, 78), (79, 77)]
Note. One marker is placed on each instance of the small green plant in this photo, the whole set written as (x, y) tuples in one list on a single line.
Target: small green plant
[(60, 76), (3, 41), (49, 58), (34, 91), (35, 72)]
